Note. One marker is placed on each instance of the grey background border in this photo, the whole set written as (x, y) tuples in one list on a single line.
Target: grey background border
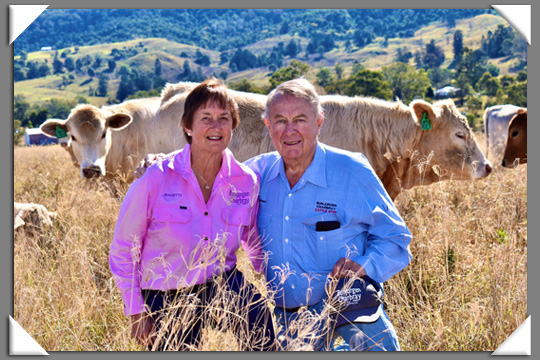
[(6, 177)]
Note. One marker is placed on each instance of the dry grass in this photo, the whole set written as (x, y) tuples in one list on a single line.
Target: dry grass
[(465, 289)]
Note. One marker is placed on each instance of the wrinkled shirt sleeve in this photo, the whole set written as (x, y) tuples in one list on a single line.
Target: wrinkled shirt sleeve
[(251, 241), (387, 251), (126, 247)]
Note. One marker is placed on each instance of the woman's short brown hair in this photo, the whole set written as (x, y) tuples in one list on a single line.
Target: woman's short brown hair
[(209, 91)]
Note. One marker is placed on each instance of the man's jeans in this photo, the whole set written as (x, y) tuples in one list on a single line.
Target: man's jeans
[(377, 336)]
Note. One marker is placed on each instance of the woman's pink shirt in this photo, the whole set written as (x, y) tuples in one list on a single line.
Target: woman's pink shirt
[(167, 237)]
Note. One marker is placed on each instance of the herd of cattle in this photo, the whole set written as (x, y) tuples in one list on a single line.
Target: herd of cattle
[(112, 140)]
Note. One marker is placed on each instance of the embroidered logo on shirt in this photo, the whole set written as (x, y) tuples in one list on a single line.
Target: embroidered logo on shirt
[(325, 207), (239, 197), (168, 197)]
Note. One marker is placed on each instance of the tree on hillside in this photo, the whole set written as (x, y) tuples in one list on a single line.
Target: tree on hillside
[(157, 67), (433, 57), (111, 65), (58, 66), (293, 71), (406, 82), (103, 85), (363, 37), (368, 83), (458, 46), (291, 49), (517, 94), (488, 84), (125, 88), (98, 60), (439, 77), (472, 65), (18, 72), (69, 64), (324, 77), (339, 69), (403, 55)]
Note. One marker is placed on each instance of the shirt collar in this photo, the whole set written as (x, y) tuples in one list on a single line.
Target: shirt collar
[(315, 173)]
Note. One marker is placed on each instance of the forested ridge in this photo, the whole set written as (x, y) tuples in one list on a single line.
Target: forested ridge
[(225, 29)]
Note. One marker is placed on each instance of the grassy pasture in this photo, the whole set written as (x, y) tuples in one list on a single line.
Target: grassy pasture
[(465, 289)]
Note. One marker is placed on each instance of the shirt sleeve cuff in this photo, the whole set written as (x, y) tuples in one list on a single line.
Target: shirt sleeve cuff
[(367, 264), (133, 302)]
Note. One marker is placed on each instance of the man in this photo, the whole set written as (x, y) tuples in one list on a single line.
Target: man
[(323, 213)]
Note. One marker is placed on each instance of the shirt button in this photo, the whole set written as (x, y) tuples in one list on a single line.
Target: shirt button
[(322, 238), (290, 195), (286, 240), (292, 286), (206, 213), (286, 218)]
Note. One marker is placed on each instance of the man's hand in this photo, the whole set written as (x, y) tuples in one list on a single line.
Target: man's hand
[(347, 268), (146, 163), (143, 329)]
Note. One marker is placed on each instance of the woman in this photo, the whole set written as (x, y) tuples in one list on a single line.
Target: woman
[(179, 227)]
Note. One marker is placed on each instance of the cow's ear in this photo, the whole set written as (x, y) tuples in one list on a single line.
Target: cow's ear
[(49, 127), (522, 112), (420, 107), (119, 121)]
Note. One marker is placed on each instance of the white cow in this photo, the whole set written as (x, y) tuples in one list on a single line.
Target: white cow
[(496, 120), (111, 140)]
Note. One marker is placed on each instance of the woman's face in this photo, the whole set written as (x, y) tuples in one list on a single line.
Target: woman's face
[(211, 129)]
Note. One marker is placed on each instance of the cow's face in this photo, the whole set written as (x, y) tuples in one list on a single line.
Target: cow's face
[(516, 145), (89, 131), (449, 148)]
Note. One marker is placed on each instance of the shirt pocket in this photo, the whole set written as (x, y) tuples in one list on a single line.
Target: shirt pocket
[(236, 216), (323, 248), (171, 226)]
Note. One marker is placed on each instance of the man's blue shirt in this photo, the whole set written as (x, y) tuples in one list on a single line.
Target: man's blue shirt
[(337, 186)]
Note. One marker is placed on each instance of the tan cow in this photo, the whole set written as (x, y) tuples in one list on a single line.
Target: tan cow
[(387, 133), (31, 216), (516, 145), (111, 140)]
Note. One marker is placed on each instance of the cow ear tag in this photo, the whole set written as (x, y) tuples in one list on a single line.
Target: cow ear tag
[(426, 124), (61, 135)]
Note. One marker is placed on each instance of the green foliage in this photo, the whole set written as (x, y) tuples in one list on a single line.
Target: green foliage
[(245, 85), (403, 55), (295, 70), (517, 94), (406, 82), (103, 85), (324, 77), (433, 57), (18, 131), (458, 46), (368, 83), (143, 94), (488, 84), (499, 43), (439, 77)]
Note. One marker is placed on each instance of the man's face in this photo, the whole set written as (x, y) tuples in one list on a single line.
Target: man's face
[(294, 125)]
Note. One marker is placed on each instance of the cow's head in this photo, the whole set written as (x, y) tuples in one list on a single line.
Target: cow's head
[(516, 145), (449, 146), (89, 132)]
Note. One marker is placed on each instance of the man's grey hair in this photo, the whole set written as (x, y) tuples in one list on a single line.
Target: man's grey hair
[(300, 88)]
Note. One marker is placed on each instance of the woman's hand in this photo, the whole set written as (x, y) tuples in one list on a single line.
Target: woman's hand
[(143, 329)]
